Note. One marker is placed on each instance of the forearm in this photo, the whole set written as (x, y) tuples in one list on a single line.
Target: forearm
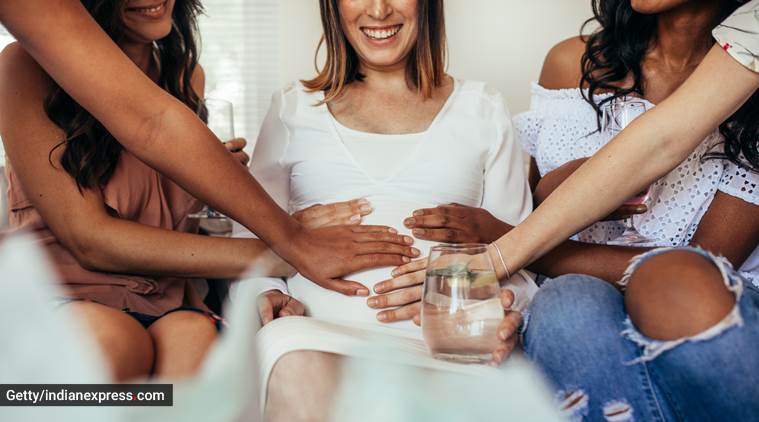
[(121, 246), (652, 146), (603, 261), (146, 120)]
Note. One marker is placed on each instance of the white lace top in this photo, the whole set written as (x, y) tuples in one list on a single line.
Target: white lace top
[(560, 127)]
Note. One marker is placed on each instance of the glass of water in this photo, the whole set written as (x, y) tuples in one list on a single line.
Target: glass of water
[(219, 116), (461, 306), (617, 115)]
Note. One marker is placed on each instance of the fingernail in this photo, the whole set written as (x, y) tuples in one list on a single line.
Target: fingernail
[(417, 213), (406, 259), (392, 230), (409, 240), (355, 218), (382, 316), (418, 232), (372, 302), (363, 201), (409, 222), (284, 313), (362, 292), (365, 208), (502, 335), (415, 251), (379, 288)]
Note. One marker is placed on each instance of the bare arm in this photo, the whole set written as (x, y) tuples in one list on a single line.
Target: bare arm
[(79, 219), (69, 45), (145, 119), (651, 147)]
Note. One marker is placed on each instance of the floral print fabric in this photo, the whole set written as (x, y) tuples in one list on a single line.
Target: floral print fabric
[(739, 35)]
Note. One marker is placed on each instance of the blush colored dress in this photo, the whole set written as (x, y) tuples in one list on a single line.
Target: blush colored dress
[(137, 193)]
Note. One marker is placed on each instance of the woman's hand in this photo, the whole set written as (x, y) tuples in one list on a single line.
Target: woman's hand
[(508, 330), (339, 213), (456, 224), (235, 146), (275, 304), (403, 292), (327, 254), (553, 179)]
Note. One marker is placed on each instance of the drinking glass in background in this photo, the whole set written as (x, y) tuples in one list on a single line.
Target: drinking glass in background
[(617, 115), (220, 120), (461, 306)]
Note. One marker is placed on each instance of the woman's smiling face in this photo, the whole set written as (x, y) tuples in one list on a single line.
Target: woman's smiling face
[(147, 20), (383, 32)]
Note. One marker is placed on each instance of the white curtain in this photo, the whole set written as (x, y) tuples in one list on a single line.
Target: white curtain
[(239, 53)]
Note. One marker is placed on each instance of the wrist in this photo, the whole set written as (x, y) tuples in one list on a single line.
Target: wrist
[(289, 246), (498, 230), (502, 270)]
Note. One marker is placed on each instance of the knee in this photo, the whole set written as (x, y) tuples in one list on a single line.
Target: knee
[(189, 325), (677, 294), (125, 344), (297, 365), (182, 340)]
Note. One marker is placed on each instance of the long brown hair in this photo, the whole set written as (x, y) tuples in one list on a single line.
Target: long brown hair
[(90, 152), (425, 68)]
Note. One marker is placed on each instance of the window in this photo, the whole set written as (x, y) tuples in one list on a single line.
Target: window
[(5, 39), (239, 53)]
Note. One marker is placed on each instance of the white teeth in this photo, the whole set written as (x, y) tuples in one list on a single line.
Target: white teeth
[(381, 34), (154, 9)]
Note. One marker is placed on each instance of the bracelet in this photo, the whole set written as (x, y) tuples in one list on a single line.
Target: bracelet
[(503, 262)]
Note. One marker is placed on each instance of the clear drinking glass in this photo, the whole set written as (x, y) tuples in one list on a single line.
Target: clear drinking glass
[(617, 115), (461, 306), (220, 119)]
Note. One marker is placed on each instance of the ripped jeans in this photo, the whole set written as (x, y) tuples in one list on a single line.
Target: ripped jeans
[(578, 332)]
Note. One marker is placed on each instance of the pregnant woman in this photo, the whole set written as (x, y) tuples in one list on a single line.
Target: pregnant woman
[(358, 130)]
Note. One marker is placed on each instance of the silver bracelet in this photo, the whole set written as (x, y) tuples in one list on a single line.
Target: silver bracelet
[(503, 262)]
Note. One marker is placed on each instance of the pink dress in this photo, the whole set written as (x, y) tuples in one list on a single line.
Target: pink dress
[(137, 193)]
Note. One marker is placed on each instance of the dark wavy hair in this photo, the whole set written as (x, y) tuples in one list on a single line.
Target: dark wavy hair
[(90, 152), (616, 50)]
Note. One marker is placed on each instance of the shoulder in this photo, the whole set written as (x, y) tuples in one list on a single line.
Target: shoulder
[(562, 65), (20, 71), (480, 97), (24, 85), (294, 96), (198, 79)]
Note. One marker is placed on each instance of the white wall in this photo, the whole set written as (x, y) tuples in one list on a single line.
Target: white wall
[(502, 42)]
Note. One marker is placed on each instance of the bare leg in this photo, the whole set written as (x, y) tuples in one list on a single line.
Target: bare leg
[(302, 387), (181, 340), (677, 294), (126, 345)]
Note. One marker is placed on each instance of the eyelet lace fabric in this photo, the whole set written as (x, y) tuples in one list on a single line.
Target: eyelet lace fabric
[(560, 127)]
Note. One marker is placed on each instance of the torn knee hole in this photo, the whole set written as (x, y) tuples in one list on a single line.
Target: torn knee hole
[(574, 403), (618, 411)]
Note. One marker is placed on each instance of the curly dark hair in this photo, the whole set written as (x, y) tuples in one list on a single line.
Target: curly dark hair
[(615, 52), (90, 152)]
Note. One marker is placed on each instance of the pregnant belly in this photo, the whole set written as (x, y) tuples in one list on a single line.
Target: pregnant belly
[(326, 304)]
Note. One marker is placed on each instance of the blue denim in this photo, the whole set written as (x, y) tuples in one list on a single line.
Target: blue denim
[(603, 370)]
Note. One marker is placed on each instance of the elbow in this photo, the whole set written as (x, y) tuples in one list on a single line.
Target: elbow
[(88, 257), (88, 253)]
